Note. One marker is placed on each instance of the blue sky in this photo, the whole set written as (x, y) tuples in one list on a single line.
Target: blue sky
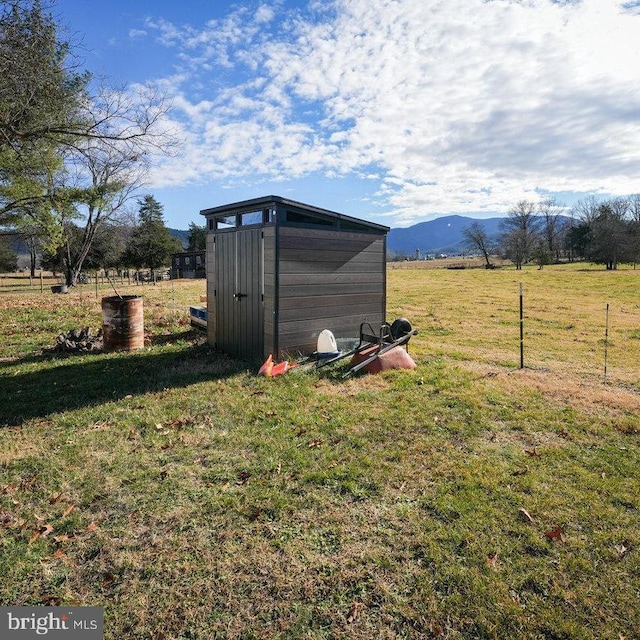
[(393, 111)]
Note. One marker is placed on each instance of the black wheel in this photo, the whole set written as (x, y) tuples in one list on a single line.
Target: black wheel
[(400, 328)]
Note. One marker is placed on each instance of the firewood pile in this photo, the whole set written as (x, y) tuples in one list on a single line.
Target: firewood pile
[(79, 341)]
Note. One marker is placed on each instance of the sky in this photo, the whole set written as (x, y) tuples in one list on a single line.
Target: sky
[(394, 111)]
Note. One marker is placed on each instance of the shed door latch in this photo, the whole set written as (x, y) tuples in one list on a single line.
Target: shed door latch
[(237, 296)]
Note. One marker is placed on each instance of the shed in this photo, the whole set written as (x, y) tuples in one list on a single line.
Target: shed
[(281, 271)]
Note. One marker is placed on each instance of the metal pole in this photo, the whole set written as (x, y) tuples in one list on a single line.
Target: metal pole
[(606, 342), (521, 328)]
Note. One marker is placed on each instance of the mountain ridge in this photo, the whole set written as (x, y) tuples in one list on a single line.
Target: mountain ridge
[(441, 235)]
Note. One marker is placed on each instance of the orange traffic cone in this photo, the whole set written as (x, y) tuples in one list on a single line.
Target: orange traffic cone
[(282, 367), (267, 368)]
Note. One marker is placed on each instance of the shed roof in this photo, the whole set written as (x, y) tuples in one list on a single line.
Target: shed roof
[(266, 201)]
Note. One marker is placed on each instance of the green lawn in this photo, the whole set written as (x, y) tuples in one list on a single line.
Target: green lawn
[(464, 499)]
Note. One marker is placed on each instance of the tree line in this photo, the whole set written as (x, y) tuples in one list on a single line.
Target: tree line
[(74, 151), (605, 232), (146, 243)]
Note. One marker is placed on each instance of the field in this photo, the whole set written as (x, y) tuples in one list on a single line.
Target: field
[(468, 498)]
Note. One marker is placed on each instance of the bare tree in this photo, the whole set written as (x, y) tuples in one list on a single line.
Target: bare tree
[(100, 179), (553, 228), (520, 232), (477, 239)]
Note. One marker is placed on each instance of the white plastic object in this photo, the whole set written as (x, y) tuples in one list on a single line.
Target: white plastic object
[(327, 344)]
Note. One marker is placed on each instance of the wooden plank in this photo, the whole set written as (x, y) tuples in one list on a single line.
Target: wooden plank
[(330, 301), (327, 234), (335, 244), (328, 255), (360, 263), (302, 291), (300, 313), (312, 326), (314, 279)]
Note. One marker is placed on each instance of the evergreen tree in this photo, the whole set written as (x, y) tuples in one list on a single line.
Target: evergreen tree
[(8, 257), (40, 101), (151, 243), (197, 237)]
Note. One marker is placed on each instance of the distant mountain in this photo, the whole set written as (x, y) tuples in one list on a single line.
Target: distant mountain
[(442, 235)]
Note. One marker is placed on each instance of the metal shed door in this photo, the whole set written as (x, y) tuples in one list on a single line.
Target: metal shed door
[(239, 272)]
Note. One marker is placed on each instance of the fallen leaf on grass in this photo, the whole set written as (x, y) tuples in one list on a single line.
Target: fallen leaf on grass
[(108, 579), (621, 549), (41, 532), (492, 561), (314, 444), (243, 477), (525, 514), (56, 498), (59, 554), (93, 526), (68, 510), (532, 452), (355, 610), (62, 538), (436, 629), (556, 534)]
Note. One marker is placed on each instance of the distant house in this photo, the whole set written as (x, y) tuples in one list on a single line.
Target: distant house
[(188, 264)]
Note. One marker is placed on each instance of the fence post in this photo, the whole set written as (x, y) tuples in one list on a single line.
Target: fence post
[(521, 328), (606, 341)]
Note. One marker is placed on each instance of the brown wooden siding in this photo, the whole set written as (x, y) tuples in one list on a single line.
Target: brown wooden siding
[(327, 279)]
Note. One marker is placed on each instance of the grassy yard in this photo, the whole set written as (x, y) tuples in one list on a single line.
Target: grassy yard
[(465, 499)]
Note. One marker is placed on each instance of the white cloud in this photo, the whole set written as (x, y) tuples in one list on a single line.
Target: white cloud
[(458, 105)]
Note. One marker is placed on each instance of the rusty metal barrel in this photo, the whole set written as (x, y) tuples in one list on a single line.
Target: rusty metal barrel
[(122, 323)]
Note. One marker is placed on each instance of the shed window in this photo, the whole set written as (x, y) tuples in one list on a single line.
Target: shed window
[(187, 261), (226, 222), (250, 217)]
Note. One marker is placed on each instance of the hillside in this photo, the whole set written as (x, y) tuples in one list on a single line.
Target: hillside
[(442, 235), (183, 236)]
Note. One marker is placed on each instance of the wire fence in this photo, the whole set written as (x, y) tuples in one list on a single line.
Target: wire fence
[(47, 283)]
